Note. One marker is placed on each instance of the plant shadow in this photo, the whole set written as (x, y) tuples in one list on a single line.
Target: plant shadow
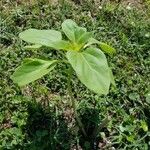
[(45, 129), (90, 118)]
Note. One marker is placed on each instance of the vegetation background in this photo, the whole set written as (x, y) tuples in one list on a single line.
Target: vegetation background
[(38, 116)]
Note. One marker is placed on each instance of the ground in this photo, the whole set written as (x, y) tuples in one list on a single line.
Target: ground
[(39, 116)]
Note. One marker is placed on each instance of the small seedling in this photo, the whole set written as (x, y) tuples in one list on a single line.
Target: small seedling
[(83, 53)]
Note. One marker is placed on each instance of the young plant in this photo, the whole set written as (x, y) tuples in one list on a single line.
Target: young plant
[(83, 53)]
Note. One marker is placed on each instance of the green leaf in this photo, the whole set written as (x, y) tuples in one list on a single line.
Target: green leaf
[(68, 27), (91, 68), (41, 37), (91, 41), (82, 36), (62, 45), (104, 47), (32, 47), (76, 34), (107, 48), (31, 70)]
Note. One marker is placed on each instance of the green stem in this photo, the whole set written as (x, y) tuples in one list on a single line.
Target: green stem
[(74, 103), (98, 128)]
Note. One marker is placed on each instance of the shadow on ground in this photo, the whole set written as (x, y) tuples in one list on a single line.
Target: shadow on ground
[(90, 119), (45, 130), (48, 131)]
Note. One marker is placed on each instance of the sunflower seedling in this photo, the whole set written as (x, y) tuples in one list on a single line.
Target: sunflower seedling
[(84, 54)]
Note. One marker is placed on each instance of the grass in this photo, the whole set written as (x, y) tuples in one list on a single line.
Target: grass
[(38, 116)]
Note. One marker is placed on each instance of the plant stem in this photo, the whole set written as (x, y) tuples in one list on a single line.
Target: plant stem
[(74, 103), (98, 128)]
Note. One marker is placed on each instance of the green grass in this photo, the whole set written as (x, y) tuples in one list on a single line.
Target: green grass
[(38, 116)]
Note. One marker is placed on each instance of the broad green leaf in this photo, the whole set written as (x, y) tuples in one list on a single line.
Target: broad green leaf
[(104, 47), (31, 70), (69, 27), (91, 68), (41, 37), (76, 34), (32, 47)]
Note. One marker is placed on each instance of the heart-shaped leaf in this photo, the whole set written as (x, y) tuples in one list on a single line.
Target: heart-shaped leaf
[(91, 68), (31, 70)]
